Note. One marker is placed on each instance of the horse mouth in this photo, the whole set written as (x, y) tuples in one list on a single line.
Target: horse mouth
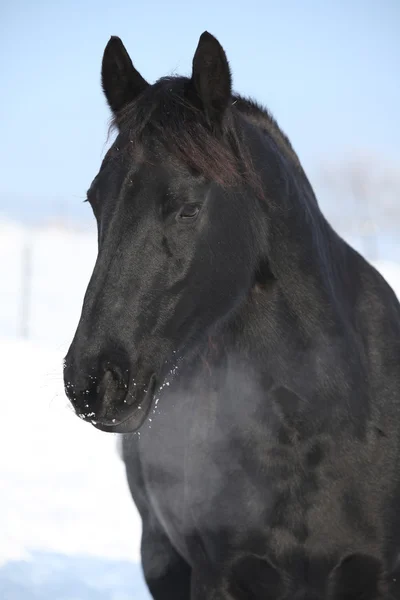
[(131, 417)]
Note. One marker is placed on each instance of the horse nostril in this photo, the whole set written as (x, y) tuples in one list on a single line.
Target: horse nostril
[(97, 392), (111, 391)]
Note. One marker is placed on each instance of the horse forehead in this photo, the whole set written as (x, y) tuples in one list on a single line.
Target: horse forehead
[(133, 169)]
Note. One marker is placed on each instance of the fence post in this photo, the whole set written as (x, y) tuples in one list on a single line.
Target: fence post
[(26, 285)]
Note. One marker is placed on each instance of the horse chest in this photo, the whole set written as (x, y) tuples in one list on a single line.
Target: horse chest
[(211, 475), (205, 471)]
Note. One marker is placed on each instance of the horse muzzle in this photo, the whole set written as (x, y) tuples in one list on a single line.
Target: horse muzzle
[(109, 399)]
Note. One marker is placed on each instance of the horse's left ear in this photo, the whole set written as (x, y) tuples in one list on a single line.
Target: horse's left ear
[(121, 82), (211, 79)]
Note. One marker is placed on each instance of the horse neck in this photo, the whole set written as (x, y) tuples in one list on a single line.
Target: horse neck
[(281, 334)]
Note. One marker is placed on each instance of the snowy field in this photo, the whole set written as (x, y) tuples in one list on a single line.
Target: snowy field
[(69, 529)]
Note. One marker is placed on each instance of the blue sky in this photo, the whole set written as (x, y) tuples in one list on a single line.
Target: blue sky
[(328, 70)]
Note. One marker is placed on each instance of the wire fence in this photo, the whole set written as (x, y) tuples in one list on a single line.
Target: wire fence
[(43, 276)]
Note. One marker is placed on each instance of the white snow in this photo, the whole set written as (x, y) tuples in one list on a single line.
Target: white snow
[(63, 484)]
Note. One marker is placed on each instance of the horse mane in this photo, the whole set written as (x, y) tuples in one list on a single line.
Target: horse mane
[(261, 117), (162, 112)]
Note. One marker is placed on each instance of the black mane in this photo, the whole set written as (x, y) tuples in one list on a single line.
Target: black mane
[(164, 112)]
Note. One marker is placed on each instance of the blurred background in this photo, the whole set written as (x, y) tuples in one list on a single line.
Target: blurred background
[(328, 71)]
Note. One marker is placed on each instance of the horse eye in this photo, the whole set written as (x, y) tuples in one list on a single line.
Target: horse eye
[(188, 212)]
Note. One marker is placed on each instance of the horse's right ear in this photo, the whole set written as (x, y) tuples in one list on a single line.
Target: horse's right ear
[(211, 81), (120, 80)]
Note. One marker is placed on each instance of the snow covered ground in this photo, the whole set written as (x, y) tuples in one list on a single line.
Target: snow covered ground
[(66, 489), (64, 493), (69, 528), (64, 499)]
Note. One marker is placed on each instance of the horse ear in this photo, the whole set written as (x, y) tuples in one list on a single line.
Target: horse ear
[(211, 78), (120, 80)]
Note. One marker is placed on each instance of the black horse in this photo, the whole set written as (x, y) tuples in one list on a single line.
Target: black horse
[(251, 357)]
